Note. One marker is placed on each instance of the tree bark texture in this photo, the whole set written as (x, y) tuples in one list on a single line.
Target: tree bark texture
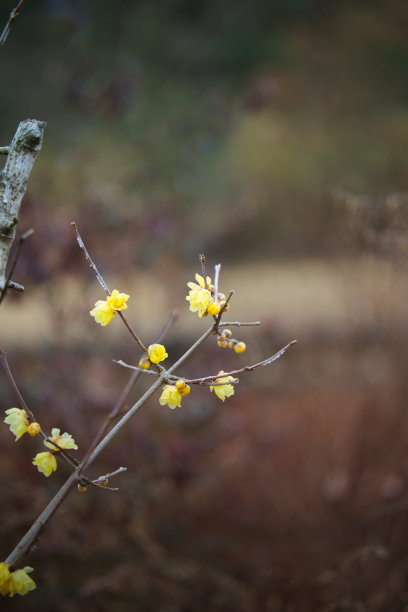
[(22, 154)]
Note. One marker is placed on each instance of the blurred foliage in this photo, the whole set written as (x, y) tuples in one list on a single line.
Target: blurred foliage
[(190, 122)]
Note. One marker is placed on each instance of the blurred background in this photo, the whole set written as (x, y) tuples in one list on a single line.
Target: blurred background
[(272, 136)]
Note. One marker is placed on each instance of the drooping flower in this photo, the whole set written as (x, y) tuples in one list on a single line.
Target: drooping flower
[(45, 462), (17, 420), (104, 310), (157, 353), (200, 295), (20, 582), (102, 313), (170, 396), (223, 391), (64, 441)]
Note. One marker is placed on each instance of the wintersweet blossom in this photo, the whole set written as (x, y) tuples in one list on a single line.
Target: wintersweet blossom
[(64, 441), (4, 578), (20, 582), (157, 353), (15, 582), (102, 313), (105, 310), (200, 295), (45, 462), (117, 301), (223, 391), (170, 396), (17, 420)]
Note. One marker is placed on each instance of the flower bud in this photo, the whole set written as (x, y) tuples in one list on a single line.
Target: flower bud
[(34, 429), (223, 305), (144, 363), (81, 488), (222, 341), (180, 384), (240, 347), (227, 333), (214, 308), (231, 344), (185, 390)]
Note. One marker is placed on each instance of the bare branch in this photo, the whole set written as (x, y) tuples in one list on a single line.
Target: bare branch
[(23, 152), (217, 269), (13, 16), (93, 267), (9, 284)]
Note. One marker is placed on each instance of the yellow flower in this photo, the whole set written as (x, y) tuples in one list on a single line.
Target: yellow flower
[(223, 391), (4, 578), (20, 582), (170, 396), (45, 462), (17, 421), (104, 310), (102, 313), (240, 347), (200, 295), (117, 301), (156, 353), (65, 440)]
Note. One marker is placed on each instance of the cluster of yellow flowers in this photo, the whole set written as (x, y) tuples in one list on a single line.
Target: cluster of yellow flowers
[(202, 300), (201, 297), (19, 424), (105, 310), (17, 582)]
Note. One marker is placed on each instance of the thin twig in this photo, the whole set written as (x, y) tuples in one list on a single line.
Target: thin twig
[(13, 16), (238, 323), (110, 475), (122, 398), (217, 269), (135, 368), (9, 283), (132, 331), (250, 368), (105, 286), (89, 260), (202, 262)]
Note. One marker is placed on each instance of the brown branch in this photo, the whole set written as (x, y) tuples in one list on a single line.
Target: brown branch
[(122, 399), (13, 16), (250, 368), (9, 284)]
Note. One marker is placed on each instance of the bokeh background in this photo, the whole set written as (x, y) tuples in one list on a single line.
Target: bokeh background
[(273, 137)]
